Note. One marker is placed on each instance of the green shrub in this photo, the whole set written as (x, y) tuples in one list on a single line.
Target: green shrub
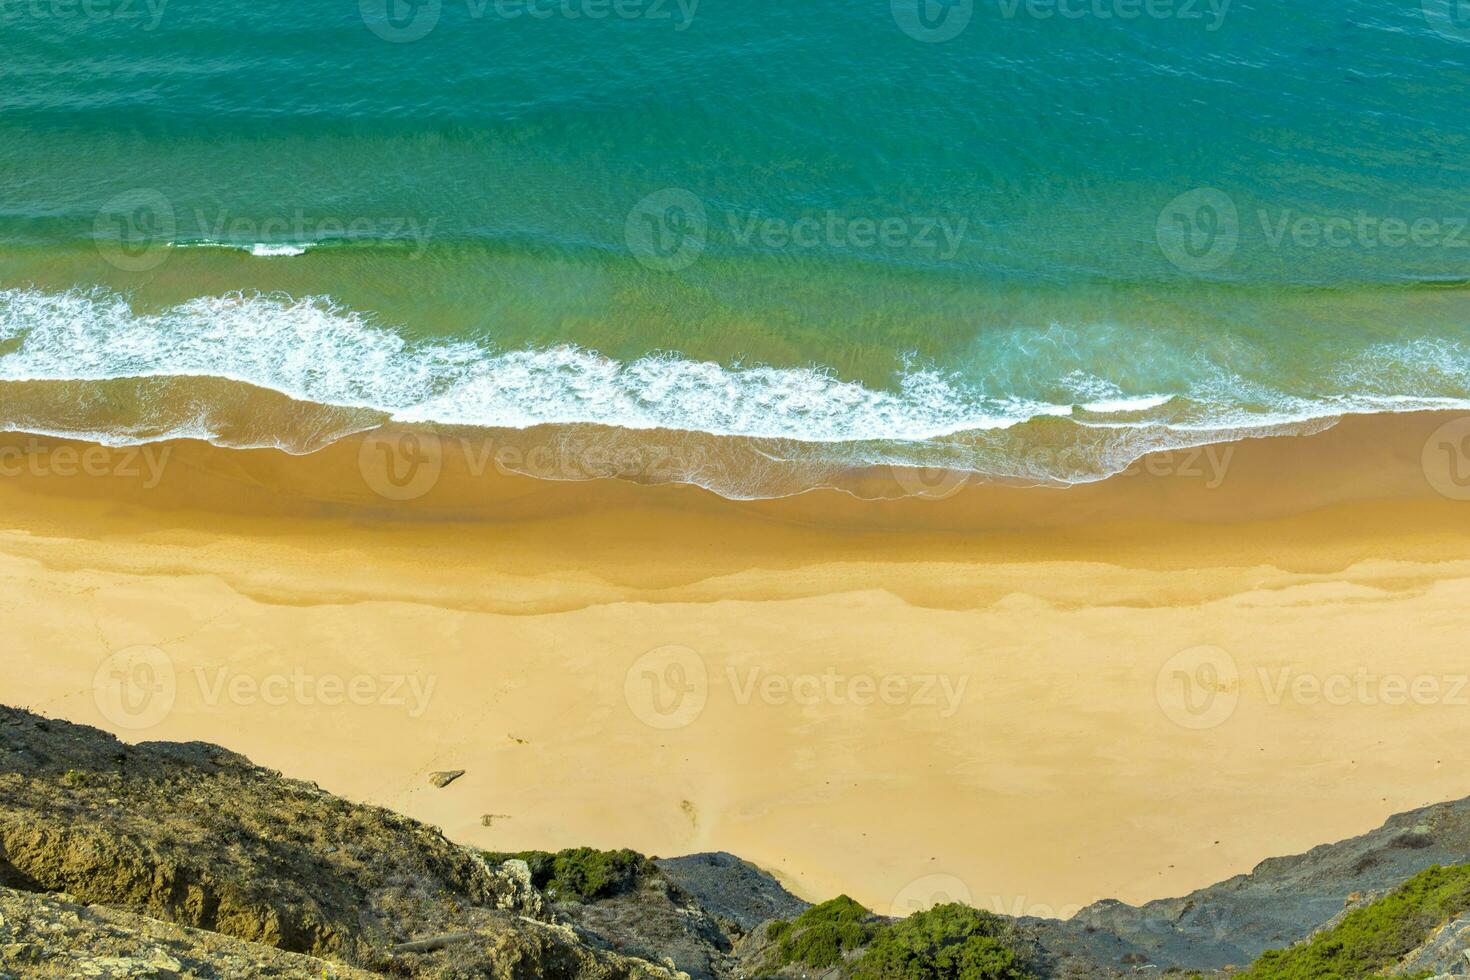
[(580, 873), (821, 935), (590, 874), (1376, 936), (947, 942)]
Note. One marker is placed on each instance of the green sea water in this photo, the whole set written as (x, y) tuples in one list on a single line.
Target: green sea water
[(864, 232)]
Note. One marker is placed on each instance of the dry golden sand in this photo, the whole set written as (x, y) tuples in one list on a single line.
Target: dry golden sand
[(1043, 742)]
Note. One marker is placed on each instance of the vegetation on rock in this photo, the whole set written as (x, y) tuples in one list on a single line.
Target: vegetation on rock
[(946, 942), (1377, 936), (582, 874), (822, 935)]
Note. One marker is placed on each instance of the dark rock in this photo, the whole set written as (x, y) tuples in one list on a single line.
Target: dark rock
[(735, 889)]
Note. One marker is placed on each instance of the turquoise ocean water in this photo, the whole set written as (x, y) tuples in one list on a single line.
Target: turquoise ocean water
[(850, 233)]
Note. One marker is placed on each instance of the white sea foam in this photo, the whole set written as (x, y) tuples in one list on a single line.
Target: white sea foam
[(1140, 404), (314, 350), (263, 249), (258, 249)]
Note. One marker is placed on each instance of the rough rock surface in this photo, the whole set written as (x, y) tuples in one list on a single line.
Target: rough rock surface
[(657, 921), (185, 860), (1446, 954), (731, 888), (197, 836), (49, 936), (1281, 901)]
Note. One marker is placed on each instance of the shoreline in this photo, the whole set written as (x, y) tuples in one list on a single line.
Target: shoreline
[(1063, 768)]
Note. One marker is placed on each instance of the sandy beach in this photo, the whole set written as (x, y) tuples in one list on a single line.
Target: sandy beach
[(1028, 698)]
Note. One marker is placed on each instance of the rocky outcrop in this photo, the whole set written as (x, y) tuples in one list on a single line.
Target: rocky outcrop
[(1282, 900), (732, 889), (1444, 954), (51, 936), (165, 860), (197, 836)]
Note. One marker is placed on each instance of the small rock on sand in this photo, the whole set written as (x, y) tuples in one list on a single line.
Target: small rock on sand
[(444, 777)]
